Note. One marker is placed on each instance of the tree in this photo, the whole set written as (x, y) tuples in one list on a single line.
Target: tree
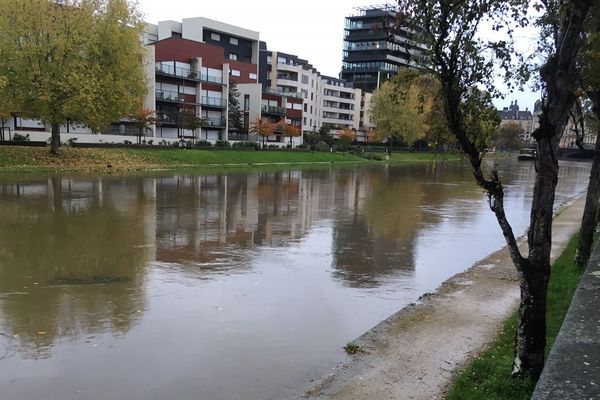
[(235, 114), (78, 60), (590, 85), (462, 62), (190, 121), (262, 127), (291, 131), (312, 139), (402, 107), (143, 120), (346, 137), (6, 109), (325, 135), (508, 137)]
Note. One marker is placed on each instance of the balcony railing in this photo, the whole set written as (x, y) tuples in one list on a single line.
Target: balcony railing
[(211, 78), (168, 95), (179, 72), (284, 93), (213, 102), (273, 110), (213, 122)]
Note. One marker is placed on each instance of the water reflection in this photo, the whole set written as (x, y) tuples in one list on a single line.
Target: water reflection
[(204, 277), (69, 266)]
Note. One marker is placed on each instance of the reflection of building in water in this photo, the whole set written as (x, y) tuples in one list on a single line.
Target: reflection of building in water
[(208, 218), (72, 254)]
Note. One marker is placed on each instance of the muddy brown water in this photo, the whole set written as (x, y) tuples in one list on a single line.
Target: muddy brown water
[(243, 285)]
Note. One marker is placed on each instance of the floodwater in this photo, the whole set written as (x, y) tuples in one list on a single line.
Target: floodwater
[(242, 285)]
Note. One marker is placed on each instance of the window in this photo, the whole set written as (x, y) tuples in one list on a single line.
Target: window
[(305, 79), (281, 60), (233, 41), (297, 106), (311, 109), (175, 34), (304, 120), (268, 59), (215, 36), (311, 96), (235, 72), (305, 107), (233, 56), (288, 106), (246, 102), (252, 76)]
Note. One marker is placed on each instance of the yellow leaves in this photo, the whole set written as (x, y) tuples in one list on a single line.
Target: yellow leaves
[(262, 127), (82, 63), (403, 106)]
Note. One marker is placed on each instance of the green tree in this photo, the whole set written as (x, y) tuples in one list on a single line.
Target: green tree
[(79, 61), (508, 137), (312, 139), (463, 61), (235, 113), (402, 106), (190, 121)]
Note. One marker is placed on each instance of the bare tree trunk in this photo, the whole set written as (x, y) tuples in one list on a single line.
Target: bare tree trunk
[(55, 139), (558, 75), (590, 212)]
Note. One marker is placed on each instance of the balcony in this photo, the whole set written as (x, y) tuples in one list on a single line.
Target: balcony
[(211, 79), (170, 96), (273, 110), (284, 93), (213, 122), (213, 102), (177, 72)]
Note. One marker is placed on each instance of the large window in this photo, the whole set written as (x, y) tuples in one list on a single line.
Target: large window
[(215, 36), (235, 72), (233, 56), (233, 41)]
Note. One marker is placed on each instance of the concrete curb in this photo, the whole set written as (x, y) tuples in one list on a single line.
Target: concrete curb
[(572, 370)]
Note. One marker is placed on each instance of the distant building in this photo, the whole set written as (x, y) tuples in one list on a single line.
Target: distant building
[(374, 50), (524, 119)]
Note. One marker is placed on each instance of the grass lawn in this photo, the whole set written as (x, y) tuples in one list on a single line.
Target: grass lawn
[(36, 159), (488, 375)]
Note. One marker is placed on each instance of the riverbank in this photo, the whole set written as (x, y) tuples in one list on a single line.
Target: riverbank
[(415, 353), (37, 159)]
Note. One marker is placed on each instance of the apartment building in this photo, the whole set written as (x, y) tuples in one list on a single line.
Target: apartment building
[(374, 50), (195, 61)]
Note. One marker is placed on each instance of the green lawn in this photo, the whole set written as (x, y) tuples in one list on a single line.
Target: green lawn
[(193, 156), (488, 375), (34, 159)]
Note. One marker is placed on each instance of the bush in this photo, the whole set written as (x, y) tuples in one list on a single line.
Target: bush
[(203, 143), (273, 146), (222, 143), (302, 146), (247, 144), (17, 137)]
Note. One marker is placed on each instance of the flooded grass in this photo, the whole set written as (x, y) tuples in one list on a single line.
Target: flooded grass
[(488, 375)]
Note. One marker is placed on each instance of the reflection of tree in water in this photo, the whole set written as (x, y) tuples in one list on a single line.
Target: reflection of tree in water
[(378, 239), (68, 271)]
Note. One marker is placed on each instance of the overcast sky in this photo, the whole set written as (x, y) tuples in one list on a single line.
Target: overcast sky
[(310, 29)]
